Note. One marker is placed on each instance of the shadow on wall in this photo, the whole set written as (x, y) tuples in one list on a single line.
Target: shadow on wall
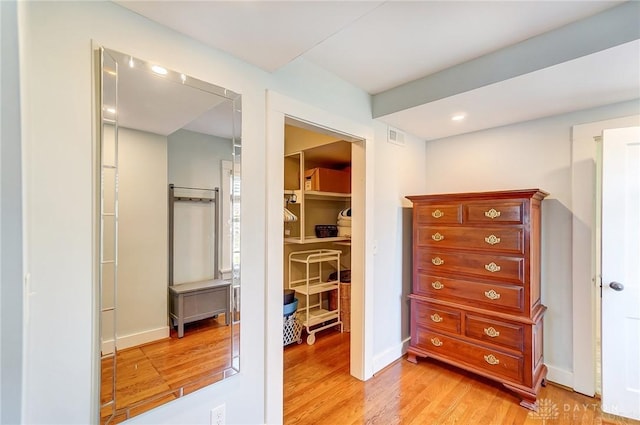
[(556, 283), (407, 270)]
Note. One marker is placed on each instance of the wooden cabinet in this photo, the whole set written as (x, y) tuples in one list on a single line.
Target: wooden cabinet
[(476, 286)]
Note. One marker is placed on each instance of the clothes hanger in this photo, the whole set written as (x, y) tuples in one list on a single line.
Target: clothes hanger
[(288, 216)]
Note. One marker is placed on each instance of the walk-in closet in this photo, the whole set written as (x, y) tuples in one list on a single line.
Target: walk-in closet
[(317, 233)]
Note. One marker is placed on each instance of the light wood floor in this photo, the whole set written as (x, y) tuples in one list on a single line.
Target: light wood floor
[(153, 374), (319, 390)]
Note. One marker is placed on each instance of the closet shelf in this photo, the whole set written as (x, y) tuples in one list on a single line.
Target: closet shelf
[(313, 239), (314, 256), (314, 289), (343, 243), (320, 315), (314, 194)]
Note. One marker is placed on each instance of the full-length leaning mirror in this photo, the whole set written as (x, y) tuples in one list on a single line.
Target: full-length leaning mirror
[(168, 221)]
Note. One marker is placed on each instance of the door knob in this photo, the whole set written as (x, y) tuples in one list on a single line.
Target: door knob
[(616, 286)]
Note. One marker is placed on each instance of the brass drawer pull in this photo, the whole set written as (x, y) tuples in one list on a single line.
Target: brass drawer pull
[(492, 295), (437, 261), (436, 318), (436, 342), (492, 213), (490, 331), (437, 285), (492, 267), (491, 359), (437, 214), (492, 240), (437, 237)]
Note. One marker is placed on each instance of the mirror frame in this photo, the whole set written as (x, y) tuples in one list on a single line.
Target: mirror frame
[(236, 125)]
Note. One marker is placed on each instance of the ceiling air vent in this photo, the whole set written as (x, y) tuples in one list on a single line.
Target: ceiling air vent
[(395, 136)]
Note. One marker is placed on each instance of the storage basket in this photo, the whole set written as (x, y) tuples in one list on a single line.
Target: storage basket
[(289, 295), (326, 230), (289, 309), (292, 330), (345, 306)]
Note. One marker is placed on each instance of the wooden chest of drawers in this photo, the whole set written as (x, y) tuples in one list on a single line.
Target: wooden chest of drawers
[(476, 286)]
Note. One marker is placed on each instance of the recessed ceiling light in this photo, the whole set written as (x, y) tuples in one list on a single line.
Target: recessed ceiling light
[(458, 117), (159, 70)]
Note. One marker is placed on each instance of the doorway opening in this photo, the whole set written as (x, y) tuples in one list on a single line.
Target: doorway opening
[(586, 246), (283, 111), (317, 232), (619, 226), (321, 210)]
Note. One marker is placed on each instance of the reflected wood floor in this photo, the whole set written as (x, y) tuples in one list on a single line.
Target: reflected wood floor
[(153, 374), (319, 390)]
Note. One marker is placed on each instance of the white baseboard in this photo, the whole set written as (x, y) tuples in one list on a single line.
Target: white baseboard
[(559, 376), (134, 339), (390, 355), (106, 347)]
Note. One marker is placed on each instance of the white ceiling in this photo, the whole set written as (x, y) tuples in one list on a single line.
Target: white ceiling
[(163, 104), (380, 46), (143, 97)]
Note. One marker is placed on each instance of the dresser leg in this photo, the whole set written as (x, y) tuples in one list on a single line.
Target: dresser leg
[(529, 404), (412, 358), (529, 400)]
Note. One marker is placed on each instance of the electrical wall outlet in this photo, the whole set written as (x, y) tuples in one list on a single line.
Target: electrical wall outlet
[(218, 415)]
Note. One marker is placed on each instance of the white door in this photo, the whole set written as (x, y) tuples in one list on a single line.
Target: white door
[(621, 272)]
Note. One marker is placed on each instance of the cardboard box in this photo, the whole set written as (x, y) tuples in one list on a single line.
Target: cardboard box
[(327, 180)]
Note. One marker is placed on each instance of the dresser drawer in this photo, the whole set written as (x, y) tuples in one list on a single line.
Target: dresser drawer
[(510, 335), (438, 214), (499, 239), (435, 317), (498, 267), (489, 360), (485, 212), (476, 294)]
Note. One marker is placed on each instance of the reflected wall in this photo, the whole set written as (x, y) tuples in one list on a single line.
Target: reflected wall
[(156, 126)]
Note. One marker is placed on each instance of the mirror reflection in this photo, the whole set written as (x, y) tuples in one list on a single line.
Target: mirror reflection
[(169, 227)]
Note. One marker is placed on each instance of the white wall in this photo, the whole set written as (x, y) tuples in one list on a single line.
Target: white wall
[(142, 242), (194, 158), (58, 153), (146, 159), (311, 84), (195, 161), (11, 287), (400, 172), (534, 154), (56, 94)]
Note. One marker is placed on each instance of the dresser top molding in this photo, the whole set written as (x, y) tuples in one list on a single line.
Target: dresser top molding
[(503, 194)]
